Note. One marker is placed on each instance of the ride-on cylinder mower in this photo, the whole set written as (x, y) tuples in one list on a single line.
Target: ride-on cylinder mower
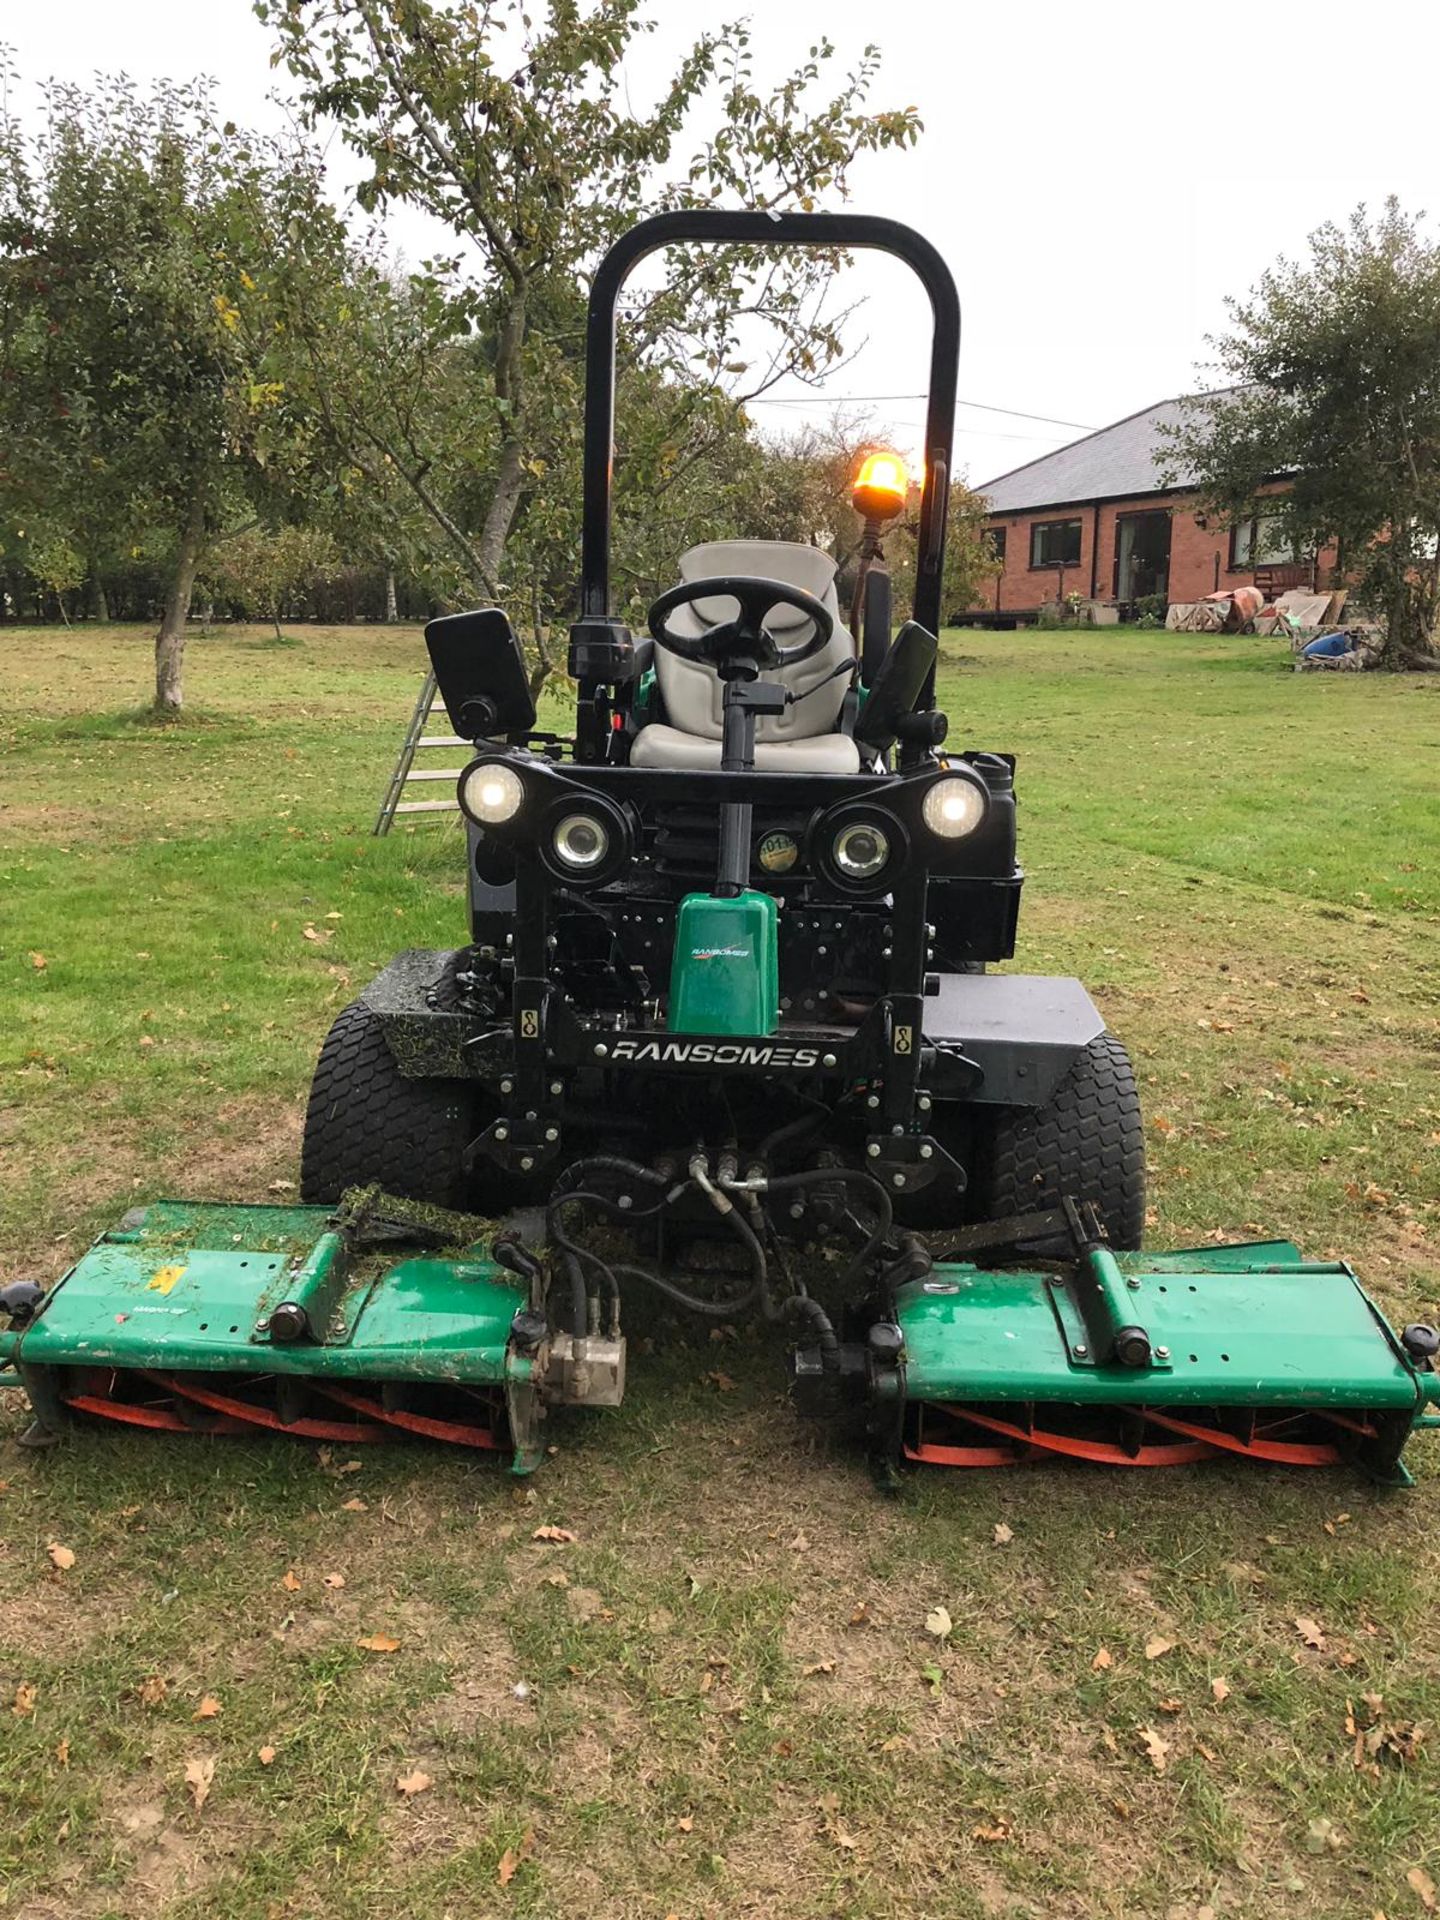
[(727, 1012)]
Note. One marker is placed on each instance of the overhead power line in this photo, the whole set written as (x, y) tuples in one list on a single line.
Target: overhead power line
[(857, 399)]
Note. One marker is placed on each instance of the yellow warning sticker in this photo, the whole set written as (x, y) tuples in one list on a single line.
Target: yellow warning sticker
[(163, 1280)]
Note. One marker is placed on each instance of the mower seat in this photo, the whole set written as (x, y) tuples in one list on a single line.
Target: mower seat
[(805, 738)]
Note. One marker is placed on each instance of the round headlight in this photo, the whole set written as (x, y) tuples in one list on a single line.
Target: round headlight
[(580, 841), (860, 850), (492, 793), (953, 807)]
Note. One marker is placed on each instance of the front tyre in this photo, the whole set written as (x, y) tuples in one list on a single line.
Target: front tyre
[(367, 1123), (1087, 1143)]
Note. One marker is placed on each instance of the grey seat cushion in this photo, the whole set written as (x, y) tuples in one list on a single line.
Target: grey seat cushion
[(692, 692), (660, 746)]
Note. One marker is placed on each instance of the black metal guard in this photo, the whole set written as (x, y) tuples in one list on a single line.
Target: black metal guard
[(717, 227)]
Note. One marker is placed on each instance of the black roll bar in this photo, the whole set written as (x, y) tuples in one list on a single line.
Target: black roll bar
[(717, 227)]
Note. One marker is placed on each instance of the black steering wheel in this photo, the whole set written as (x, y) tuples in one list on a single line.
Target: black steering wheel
[(745, 634)]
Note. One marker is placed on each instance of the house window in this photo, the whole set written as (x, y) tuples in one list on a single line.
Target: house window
[(1055, 543), (1261, 541), (997, 545)]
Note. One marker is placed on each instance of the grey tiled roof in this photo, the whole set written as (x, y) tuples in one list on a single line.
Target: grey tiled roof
[(1117, 461)]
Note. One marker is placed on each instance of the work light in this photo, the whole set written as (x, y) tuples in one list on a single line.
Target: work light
[(491, 792), (580, 841), (953, 807), (861, 849)]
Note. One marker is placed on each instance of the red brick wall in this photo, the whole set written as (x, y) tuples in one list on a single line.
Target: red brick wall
[(1194, 551)]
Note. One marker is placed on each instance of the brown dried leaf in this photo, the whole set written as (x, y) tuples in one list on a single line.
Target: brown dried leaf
[(993, 1834), (800, 1543), (1219, 1689), (939, 1623), (1422, 1886), (38, 962), (1157, 1750), (208, 1708), (266, 1756), (686, 1823), (198, 1776), (379, 1643), (62, 1754), (1003, 1534), (1157, 1645), (1171, 1706), (60, 1557), (721, 1382), (514, 1858), (1103, 1660), (334, 1581), (860, 1614), (292, 1582), (354, 1505), (25, 1696), (409, 1784), (1311, 1632), (555, 1536), (152, 1691), (820, 1666)]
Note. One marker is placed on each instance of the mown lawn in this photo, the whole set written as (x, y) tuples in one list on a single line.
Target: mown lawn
[(721, 1699)]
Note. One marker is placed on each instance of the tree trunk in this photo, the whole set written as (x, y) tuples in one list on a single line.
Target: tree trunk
[(99, 605), (392, 611), (510, 477), (170, 641)]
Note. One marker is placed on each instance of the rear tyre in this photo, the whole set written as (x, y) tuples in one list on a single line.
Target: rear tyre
[(1087, 1142), (366, 1122)]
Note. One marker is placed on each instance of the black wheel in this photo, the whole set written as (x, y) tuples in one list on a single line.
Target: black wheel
[(367, 1122), (1088, 1142)]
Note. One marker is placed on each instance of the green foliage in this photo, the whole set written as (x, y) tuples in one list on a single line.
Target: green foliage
[(259, 571), (1334, 363), (513, 127)]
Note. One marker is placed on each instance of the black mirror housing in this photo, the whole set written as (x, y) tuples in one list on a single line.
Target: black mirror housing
[(479, 667)]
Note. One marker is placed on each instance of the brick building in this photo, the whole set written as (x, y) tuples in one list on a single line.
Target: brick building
[(1094, 519)]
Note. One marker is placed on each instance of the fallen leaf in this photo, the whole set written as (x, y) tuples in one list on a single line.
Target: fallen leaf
[(1311, 1632), (1422, 1886), (820, 1666), (938, 1622), (39, 962), (1103, 1661), (1003, 1534), (412, 1783), (686, 1823), (860, 1614), (721, 1382), (292, 1582), (1220, 1689), (282, 1186), (198, 1776), (62, 1753), (152, 1691), (334, 1581), (25, 1697), (1157, 1750), (800, 1544), (557, 1579), (354, 1505), (993, 1834), (514, 1858), (1170, 1706), (379, 1643), (555, 1536), (208, 1708), (266, 1756), (934, 1678), (60, 1557), (1157, 1645)]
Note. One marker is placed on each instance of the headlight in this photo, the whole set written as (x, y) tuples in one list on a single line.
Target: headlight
[(860, 850), (580, 841), (953, 807), (492, 793)]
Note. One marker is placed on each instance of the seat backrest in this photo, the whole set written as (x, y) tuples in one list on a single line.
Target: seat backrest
[(692, 692)]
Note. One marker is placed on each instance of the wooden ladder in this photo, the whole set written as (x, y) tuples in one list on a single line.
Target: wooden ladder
[(406, 772)]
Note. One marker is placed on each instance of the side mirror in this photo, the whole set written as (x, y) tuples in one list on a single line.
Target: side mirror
[(480, 670), (897, 686)]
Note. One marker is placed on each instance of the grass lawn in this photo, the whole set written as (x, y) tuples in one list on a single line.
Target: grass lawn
[(721, 1699)]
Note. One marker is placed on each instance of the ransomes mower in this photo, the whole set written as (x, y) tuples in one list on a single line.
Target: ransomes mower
[(726, 1013)]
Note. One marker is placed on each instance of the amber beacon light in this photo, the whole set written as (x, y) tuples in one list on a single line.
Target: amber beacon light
[(880, 486)]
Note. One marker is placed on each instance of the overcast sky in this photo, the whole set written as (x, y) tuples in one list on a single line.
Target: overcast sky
[(1098, 177)]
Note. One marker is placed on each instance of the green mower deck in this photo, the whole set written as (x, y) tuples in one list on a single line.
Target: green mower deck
[(225, 1320)]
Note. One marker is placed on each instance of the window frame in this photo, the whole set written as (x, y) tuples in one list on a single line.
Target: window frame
[(1037, 527), (1251, 525)]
